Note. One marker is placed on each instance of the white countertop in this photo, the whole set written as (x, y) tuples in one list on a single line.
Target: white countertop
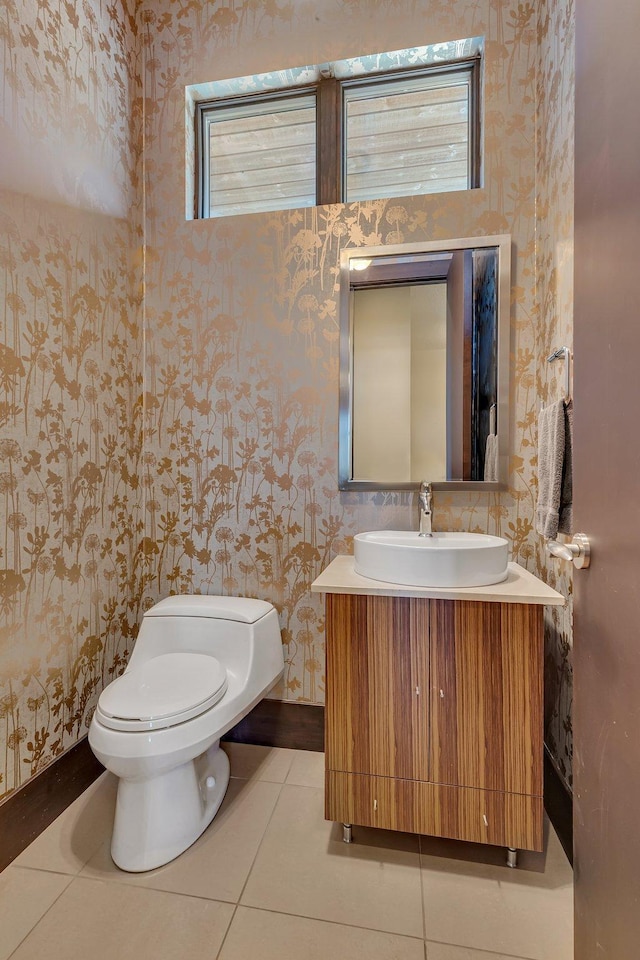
[(519, 587)]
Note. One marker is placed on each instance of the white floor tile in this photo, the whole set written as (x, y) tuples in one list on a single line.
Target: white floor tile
[(25, 896), (304, 868), (307, 769), (109, 921), (275, 936), (67, 844), (522, 913)]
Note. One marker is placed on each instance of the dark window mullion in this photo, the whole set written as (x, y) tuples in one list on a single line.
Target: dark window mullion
[(329, 141)]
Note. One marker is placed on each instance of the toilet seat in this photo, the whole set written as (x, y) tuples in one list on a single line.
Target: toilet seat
[(162, 692)]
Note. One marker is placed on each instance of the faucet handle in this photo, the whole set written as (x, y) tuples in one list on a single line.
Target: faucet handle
[(425, 494), (424, 498)]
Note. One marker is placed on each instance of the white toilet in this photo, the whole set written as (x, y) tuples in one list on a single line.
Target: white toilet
[(199, 665)]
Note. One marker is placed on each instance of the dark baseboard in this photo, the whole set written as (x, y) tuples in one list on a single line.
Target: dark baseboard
[(558, 802), (277, 723), (28, 811)]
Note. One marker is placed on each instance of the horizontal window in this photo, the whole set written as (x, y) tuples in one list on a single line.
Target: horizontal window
[(386, 135)]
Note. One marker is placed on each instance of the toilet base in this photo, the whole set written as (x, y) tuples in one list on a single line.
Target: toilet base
[(158, 818)]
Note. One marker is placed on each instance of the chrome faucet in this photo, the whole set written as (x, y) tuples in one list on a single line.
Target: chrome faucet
[(426, 499)]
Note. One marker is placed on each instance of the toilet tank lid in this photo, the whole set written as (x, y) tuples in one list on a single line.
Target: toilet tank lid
[(242, 609)]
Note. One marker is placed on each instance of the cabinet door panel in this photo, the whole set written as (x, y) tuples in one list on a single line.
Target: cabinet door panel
[(377, 685), (486, 718)]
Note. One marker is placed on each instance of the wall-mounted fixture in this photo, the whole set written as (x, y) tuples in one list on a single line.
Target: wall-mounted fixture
[(563, 353), (424, 363)]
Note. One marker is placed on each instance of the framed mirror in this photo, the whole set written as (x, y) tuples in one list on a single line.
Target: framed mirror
[(424, 364)]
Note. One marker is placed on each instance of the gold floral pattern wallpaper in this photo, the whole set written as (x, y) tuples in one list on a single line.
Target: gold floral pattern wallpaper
[(242, 317), (186, 439), (71, 366)]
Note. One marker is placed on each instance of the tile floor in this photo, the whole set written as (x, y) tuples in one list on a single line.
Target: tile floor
[(271, 880)]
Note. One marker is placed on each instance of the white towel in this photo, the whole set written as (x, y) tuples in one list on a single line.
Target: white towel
[(491, 458), (554, 466)]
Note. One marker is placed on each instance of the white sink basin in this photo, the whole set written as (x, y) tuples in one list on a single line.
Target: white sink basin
[(442, 560)]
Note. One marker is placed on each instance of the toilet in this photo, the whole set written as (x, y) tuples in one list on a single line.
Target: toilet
[(199, 665)]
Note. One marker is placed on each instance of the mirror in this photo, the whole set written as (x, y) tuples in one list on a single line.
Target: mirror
[(424, 364)]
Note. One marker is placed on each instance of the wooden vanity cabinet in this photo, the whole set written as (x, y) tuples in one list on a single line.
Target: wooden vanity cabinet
[(434, 717)]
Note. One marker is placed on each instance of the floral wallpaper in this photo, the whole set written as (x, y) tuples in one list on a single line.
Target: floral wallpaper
[(71, 369), (241, 321), (218, 473), (554, 267)]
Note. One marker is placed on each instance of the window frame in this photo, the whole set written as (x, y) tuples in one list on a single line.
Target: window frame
[(330, 93)]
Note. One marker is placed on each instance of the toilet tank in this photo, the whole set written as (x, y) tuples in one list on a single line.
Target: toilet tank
[(241, 632), (236, 609)]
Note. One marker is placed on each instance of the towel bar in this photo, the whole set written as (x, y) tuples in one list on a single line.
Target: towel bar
[(578, 552), (563, 353), (493, 409)]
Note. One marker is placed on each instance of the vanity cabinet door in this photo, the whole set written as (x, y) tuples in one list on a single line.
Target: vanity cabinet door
[(377, 709), (486, 716)]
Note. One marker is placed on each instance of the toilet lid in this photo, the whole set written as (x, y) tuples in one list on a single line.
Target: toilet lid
[(162, 692)]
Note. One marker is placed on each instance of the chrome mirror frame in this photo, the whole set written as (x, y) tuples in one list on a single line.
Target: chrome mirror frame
[(502, 242)]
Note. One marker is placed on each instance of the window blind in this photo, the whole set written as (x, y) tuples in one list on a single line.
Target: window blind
[(408, 136), (261, 156)]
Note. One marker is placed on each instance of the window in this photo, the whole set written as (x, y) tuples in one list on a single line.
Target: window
[(259, 154), (409, 135), (341, 139)]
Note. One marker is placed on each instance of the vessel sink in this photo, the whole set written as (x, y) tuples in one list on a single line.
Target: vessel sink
[(442, 560)]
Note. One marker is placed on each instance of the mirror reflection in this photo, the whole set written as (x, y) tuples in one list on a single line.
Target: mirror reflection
[(424, 364)]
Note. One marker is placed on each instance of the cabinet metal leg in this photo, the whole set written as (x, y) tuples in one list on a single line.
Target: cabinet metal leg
[(346, 833), (512, 857)]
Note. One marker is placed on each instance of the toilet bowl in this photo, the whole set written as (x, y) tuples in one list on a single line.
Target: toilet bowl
[(199, 665)]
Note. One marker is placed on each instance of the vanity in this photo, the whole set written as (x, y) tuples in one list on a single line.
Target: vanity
[(434, 709)]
